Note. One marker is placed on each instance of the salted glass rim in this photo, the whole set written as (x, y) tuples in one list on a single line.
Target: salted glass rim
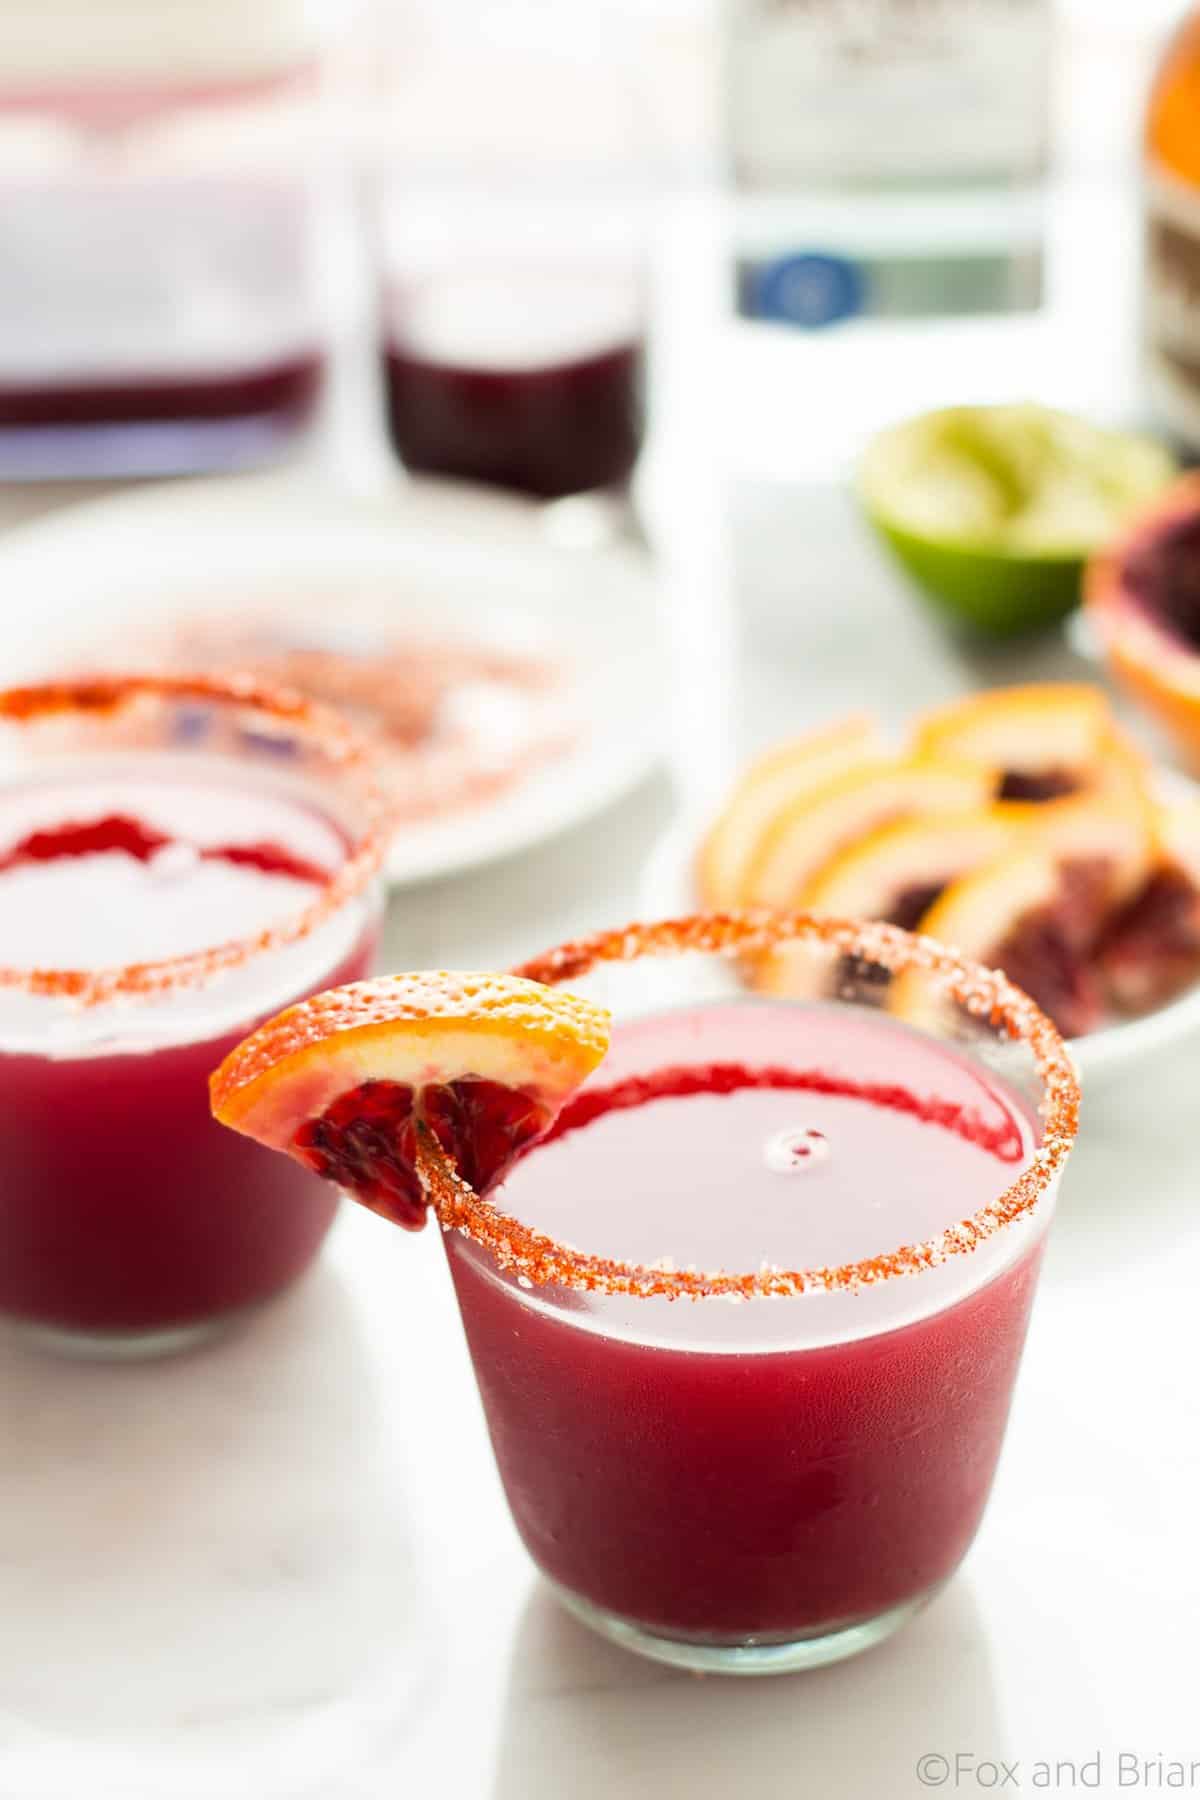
[(537, 1259), (321, 728)]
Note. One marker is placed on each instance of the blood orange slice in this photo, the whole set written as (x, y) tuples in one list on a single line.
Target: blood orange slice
[(1056, 743), (1150, 951), (895, 873), (1016, 914), (345, 1081), (1049, 738), (772, 783), (1039, 911), (1141, 597), (823, 823)]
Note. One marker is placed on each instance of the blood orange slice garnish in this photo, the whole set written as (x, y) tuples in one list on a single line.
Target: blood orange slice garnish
[(346, 1081)]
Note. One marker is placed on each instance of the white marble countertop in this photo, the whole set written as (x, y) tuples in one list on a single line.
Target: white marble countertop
[(282, 1568)]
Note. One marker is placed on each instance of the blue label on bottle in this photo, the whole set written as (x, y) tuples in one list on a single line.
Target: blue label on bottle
[(810, 290)]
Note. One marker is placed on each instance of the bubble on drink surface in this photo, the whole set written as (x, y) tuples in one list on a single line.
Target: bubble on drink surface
[(173, 862), (796, 1148)]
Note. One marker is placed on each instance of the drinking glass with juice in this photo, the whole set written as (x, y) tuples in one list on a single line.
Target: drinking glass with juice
[(745, 1298), (525, 375), (177, 858), (512, 271)]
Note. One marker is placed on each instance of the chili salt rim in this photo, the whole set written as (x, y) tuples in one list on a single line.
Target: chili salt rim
[(323, 729), (985, 993)]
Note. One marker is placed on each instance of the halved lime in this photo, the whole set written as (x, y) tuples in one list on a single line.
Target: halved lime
[(994, 509)]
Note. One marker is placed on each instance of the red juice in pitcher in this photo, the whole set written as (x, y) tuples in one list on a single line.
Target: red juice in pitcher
[(148, 422)]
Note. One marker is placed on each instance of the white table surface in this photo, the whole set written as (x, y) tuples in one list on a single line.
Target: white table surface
[(283, 1567)]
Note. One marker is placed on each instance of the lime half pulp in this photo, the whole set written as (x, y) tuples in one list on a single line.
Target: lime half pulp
[(993, 510)]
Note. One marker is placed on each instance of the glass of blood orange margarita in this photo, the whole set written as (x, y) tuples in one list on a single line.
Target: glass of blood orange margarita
[(746, 1322), (178, 857)]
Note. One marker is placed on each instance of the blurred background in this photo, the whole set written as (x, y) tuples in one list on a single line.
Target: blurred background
[(681, 257), (218, 212)]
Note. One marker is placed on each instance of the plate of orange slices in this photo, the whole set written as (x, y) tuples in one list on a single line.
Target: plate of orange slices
[(1021, 826)]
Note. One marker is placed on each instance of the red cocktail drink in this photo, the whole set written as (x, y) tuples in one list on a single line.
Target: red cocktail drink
[(837, 1479), (152, 422), (745, 1281), (177, 859), (773, 1468), (527, 378)]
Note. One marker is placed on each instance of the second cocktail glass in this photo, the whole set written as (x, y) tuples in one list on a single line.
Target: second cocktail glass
[(178, 858)]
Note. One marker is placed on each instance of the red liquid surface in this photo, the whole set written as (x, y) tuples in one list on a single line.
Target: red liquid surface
[(124, 1207), (286, 390), (683, 1465), (537, 402)]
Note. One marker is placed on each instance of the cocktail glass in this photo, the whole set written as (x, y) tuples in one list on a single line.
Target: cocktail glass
[(514, 293), (746, 1325), (178, 858)]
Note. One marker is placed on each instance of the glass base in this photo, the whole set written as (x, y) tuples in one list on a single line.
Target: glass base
[(751, 1657), (593, 520), (123, 1346)]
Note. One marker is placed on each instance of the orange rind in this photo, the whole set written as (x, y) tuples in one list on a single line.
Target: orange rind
[(894, 873), (1010, 911), (346, 1080), (872, 878), (770, 784), (1150, 951), (1048, 738), (1040, 910), (1142, 600), (1109, 834), (807, 834)]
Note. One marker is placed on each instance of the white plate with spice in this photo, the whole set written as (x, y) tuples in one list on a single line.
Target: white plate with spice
[(513, 682)]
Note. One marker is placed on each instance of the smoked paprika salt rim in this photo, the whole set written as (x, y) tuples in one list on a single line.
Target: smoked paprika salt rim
[(987, 995), (318, 727)]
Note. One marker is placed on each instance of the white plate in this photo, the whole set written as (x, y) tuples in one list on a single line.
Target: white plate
[(668, 890), (450, 560)]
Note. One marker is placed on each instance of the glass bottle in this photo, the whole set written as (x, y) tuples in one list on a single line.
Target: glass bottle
[(1172, 237), (888, 156)]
